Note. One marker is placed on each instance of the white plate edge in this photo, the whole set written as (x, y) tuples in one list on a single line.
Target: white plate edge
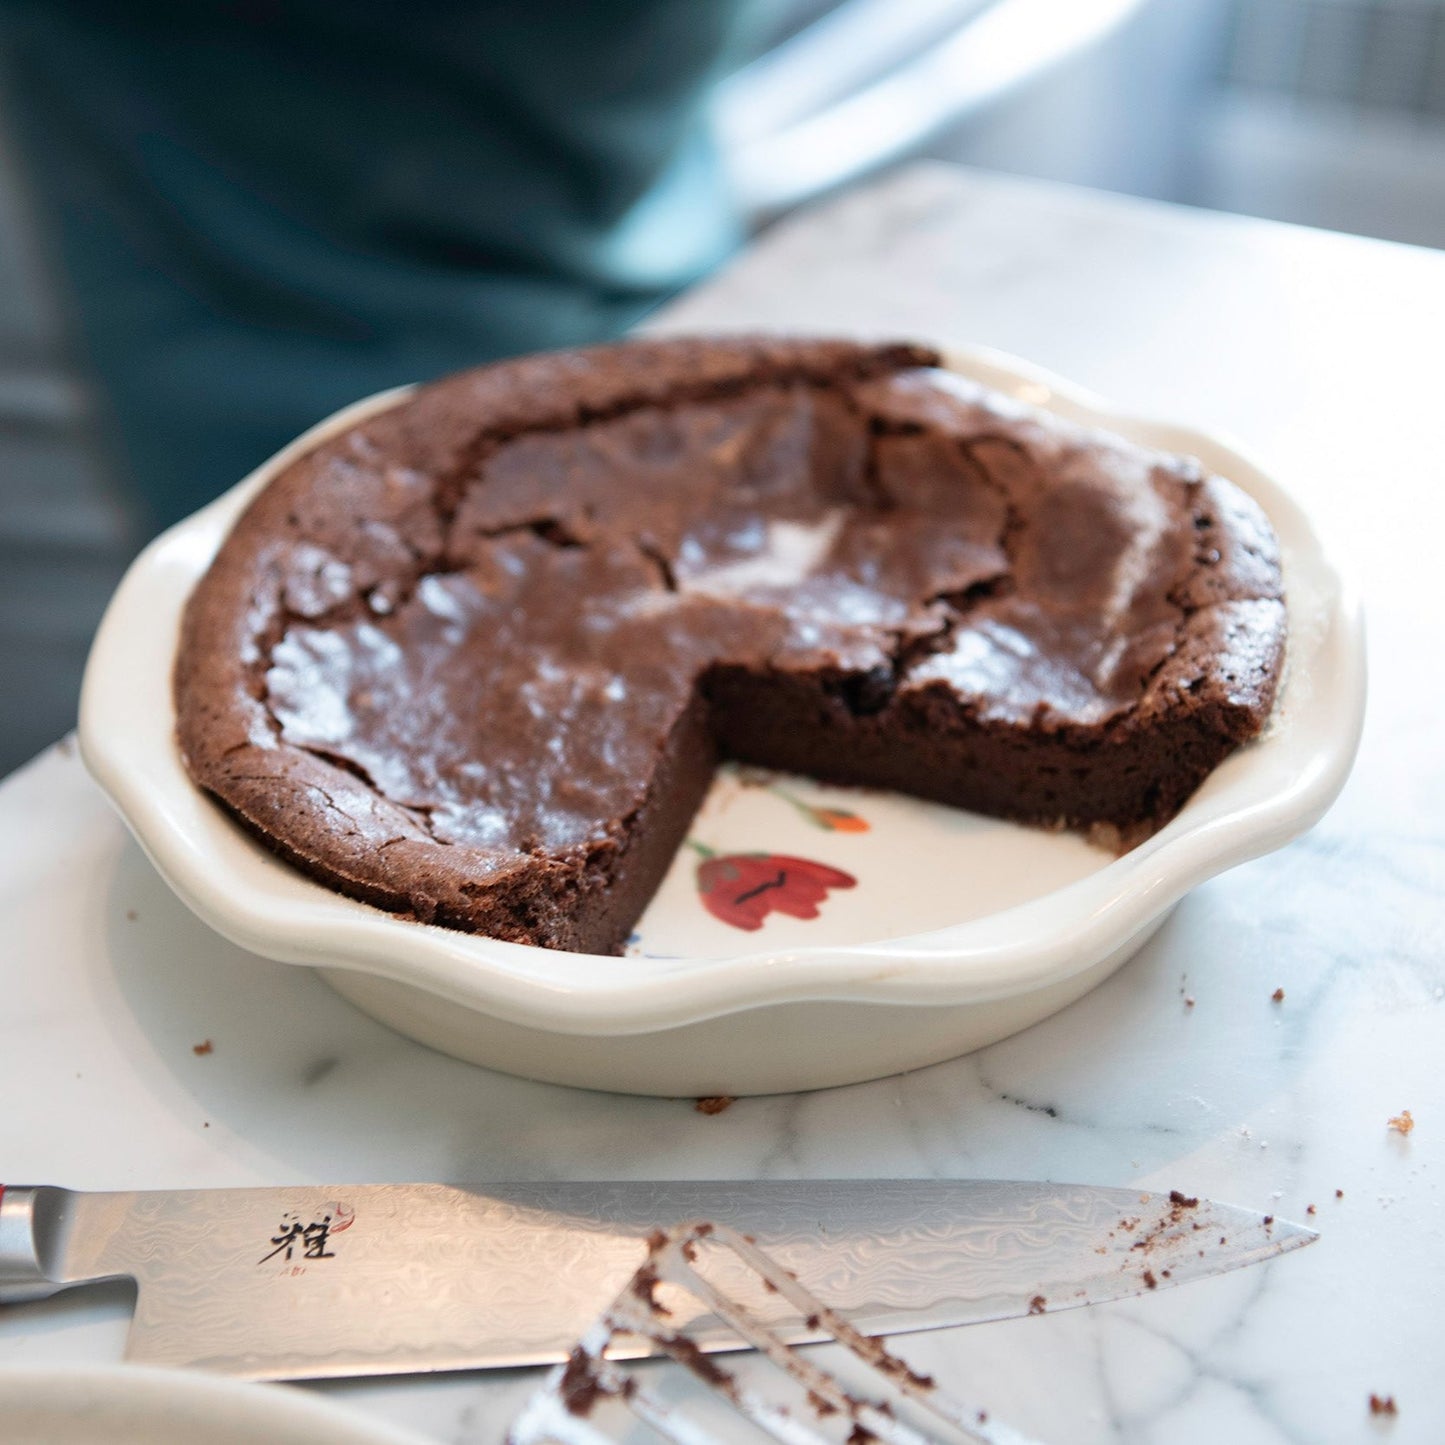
[(986, 959)]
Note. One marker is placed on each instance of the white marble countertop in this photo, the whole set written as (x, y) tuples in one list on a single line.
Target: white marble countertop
[(1320, 353)]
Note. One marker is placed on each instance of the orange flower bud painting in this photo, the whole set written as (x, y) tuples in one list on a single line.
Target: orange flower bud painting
[(839, 820), (741, 889), (835, 820)]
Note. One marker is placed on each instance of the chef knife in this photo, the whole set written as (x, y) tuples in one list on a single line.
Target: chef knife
[(341, 1280)]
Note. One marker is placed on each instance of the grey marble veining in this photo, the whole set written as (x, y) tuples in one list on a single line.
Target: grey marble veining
[(1180, 1071)]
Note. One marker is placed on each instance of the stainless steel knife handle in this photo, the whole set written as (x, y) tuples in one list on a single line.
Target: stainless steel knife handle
[(33, 1224)]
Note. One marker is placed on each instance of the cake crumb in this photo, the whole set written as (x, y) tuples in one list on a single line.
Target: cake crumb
[(1037, 1305), (714, 1103), (1310, 1209), (131, 915), (1402, 1122), (1188, 1000), (1383, 1405), (1339, 1193), (1150, 1280), (1278, 995), (203, 1048)]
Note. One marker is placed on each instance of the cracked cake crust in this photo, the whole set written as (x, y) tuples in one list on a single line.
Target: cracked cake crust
[(475, 659)]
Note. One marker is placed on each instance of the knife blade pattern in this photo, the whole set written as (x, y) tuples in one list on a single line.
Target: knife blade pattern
[(265, 1284)]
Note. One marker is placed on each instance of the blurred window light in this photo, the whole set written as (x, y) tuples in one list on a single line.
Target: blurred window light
[(873, 81), (1332, 113), (1380, 53)]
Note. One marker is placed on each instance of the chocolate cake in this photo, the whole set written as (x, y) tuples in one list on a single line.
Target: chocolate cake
[(475, 659)]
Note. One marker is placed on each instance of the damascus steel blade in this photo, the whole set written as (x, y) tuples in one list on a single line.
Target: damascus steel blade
[(289, 1283)]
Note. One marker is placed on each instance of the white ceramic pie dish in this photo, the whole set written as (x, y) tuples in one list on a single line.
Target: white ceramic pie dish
[(958, 932)]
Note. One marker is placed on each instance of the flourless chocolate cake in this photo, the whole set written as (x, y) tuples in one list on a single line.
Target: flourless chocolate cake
[(475, 659)]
